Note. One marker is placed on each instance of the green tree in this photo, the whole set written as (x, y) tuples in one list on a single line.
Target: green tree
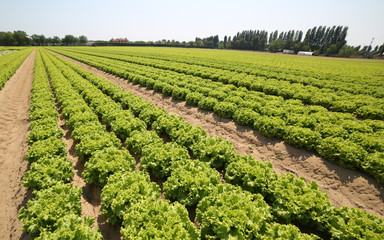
[(69, 40), (6, 39), (49, 41), (347, 51), (332, 49), (381, 49), (39, 40), (56, 41), (83, 40), (255, 43), (276, 45), (300, 46), (216, 41), (199, 42), (20, 38)]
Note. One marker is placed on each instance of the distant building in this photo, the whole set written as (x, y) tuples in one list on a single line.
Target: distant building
[(119, 40), (90, 43), (288, 51), (303, 53), (160, 42)]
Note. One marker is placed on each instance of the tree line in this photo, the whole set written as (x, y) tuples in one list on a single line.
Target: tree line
[(320, 40), (20, 38)]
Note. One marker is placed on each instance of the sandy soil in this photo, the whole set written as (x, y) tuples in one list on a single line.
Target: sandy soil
[(344, 187), (14, 124)]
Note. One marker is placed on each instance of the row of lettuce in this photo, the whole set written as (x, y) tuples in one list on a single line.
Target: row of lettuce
[(254, 203), (339, 137), (9, 63), (128, 196), (363, 100), (254, 64), (54, 211)]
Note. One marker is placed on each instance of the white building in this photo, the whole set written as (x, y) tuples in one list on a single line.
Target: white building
[(288, 51), (303, 53)]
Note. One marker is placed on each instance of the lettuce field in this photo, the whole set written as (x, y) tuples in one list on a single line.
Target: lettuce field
[(140, 143)]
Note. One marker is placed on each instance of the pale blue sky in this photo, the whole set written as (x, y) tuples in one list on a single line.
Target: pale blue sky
[(151, 20)]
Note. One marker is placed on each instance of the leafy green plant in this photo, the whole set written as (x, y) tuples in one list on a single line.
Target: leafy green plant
[(149, 115), (344, 152), (81, 118), (179, 93), (186, 134), (140, 105), (292, 199), (235, 99), (139, 140), (370, 112), (245, 116), (48, 171), (41, 113), (374, 165), (73, 107), (123, 189), (48, 121), (48, 147), (354, 223), (83, 130), (124, 127), (107, 108), (49, 206), (270, 126), (225, 109), (106, 162), (251, 175), (328, 129), (167, 90), (73, 227), (302, 137), (191, 181), (356, 126), (42, 132), (219, 95), (301, 120), (159, 158), (371, 142), (158, 86), (207, 103), (110, 116), (164, 124), (158, 220), (286, 231), (230, 213), (193, 98), (150, 83), (96, 141), (216, 151)]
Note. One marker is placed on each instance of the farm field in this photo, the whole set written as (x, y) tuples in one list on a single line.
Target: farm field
[(278, 110), (192, 144)]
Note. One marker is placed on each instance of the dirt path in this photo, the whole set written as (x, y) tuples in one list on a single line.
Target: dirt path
[(344, 187), (14, 124)]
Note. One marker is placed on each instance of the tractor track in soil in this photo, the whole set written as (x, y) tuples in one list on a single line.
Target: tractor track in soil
[(14, 126)]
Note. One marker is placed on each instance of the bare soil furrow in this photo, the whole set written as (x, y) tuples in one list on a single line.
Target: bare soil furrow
[(14, 110)]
